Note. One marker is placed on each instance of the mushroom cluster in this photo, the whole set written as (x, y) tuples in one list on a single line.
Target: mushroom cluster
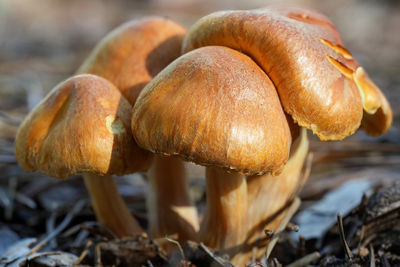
[(241, 91), (63, 134), (239, 101)]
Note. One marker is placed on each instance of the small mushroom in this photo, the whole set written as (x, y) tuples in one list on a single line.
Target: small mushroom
[(169, 206), (215, 107), (129, 57), (133, 53), (83, 126)]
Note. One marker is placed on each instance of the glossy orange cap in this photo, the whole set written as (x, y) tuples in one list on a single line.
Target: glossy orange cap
[(302, 53), (83, 125), (133, 53), (214, 106)]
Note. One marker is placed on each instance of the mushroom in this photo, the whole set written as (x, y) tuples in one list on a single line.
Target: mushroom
[(320, 85), (319, 82), (83, 126), (215, 107), (133, 53), (129, 57)]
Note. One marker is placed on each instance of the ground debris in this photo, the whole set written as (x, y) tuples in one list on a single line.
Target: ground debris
[(374, 226), (306, 260), (7, 237), (16, 252), (198, 255), (382, 202), (332, 261), (135, 251), (53, 259)]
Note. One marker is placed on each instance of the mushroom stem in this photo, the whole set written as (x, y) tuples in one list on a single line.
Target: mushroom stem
[(268, 193), (109, 207), (270, 196), (169, 205), (226, 209)]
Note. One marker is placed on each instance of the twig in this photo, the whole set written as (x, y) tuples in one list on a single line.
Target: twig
[(372, 257), (306, 260), (209, 253), (67, 219), (97, 253), (86, 226), (276, 262), (27, 201), (107, 233), (39, 255), (84, 253), (178, 245), (343, 238), (80, 238), (287, 215), (50, 222)]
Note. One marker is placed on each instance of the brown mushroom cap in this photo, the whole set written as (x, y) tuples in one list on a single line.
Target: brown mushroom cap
[(132, 54), (301, 52), (83, 125), (214, 106)]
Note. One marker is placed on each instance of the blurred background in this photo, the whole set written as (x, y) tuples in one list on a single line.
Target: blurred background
[(44, 42)]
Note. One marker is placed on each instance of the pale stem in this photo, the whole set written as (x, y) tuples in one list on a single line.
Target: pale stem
[(268, 193), (169, 206), (226, 210), (269, 197), (109, 207)]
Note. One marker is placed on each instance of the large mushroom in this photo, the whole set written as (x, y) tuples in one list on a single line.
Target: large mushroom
[(83, 126), (320, 86), (214, 106), (129, 57), (319, 83)]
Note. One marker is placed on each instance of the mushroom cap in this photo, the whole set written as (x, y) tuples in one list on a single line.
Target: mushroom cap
[(302, 53), (214, 106), (133, 53), (378, 119), (83, 125)]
